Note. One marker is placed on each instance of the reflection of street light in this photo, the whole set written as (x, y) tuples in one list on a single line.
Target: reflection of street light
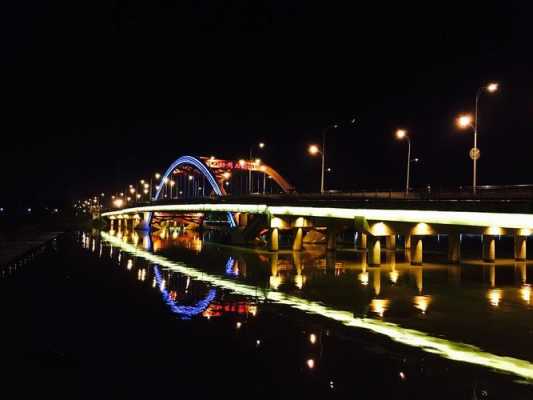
[(402, 134)]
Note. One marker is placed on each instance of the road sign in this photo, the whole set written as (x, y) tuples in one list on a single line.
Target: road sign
[(475, 153)]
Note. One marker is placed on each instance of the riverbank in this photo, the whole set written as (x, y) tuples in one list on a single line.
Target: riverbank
[(16, 248)]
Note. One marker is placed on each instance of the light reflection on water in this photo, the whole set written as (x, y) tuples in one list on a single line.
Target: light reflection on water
[(380, 305)]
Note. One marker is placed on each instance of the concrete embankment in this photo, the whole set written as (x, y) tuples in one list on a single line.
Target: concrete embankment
[(12, 250)]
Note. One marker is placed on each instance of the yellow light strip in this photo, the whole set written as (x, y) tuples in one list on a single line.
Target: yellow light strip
[(250, 208), (410, 337), (480, 219)]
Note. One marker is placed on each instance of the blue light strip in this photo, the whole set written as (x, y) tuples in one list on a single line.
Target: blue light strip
[(204, 170), (185, 312)]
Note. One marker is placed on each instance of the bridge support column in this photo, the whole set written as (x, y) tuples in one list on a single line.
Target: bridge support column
[(298, 239), (332, 238), (374, 250), (520, 248), (144, 223), (274, 239), (243, 220), (390, 242), (407, 242), (361, 241), (489, 248), (416, 250), (454, 248)]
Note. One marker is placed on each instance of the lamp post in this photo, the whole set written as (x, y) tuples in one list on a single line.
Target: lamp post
[(314, 150), (322, 183), (402, 134), (260, 145), (465, 121), (157, 176)]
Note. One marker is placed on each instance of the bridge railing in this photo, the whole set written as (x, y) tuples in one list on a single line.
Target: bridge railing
[(522, 193)]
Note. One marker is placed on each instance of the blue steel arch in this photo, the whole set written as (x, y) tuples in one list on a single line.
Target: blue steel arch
[(198, 164)]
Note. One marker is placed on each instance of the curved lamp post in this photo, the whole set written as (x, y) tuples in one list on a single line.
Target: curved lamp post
[(465, 121)]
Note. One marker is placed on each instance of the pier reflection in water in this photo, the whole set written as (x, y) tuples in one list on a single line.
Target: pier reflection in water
[(435, 307)]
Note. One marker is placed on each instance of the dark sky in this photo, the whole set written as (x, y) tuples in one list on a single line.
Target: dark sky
[(100, 94)]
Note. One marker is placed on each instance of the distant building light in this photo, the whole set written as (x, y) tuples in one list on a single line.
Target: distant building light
[(29, 210)]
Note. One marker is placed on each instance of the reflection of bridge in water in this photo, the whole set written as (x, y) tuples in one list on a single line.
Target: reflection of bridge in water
[(298, 269), (436, 345)]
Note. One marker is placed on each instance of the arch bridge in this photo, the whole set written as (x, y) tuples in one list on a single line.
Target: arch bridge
[(376, 225)]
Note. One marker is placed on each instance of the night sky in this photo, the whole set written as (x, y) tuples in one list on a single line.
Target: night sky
[(95, 96)]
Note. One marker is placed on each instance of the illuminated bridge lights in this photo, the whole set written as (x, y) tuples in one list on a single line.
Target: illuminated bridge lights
[(478, 219), (448, 349), (200, 166), (185, 312)]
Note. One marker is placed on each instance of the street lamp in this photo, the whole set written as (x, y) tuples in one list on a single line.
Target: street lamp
[(260, 145), (465, 121), (314, 150), (401, 134), (157, 176)]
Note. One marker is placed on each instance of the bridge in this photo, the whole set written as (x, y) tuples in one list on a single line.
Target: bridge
[(206, 195)]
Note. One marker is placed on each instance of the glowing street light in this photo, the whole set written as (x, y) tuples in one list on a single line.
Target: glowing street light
[(401, 134), (492, 87), (314, 150), (465, 121)]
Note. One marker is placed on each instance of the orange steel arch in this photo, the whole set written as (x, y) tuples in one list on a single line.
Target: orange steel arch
[(286, 186), (220, 167)]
